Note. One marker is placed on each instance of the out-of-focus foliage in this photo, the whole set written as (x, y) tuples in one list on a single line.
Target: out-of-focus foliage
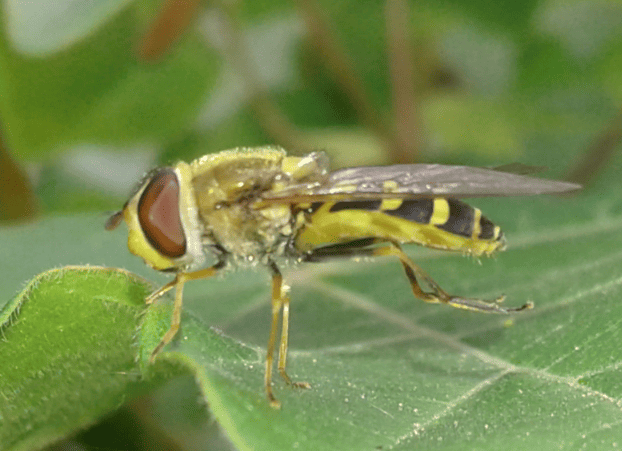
[(493, 82)]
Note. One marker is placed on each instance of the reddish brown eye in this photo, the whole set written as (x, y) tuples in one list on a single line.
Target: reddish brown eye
[(158, 213)]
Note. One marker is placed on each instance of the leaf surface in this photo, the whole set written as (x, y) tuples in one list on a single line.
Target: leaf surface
[(386, 370)]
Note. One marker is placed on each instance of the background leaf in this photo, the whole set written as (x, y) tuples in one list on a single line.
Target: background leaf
[(97, 92)]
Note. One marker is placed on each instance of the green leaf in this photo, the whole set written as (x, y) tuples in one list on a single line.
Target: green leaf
[(68, 353), (386, 369), (504, 15), (58, 23), (96, 91)]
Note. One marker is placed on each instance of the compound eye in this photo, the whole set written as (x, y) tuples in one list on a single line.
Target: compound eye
[(158, 214)]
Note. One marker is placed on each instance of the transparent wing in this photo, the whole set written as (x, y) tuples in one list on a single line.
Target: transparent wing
[(519, 168), (420, 180)]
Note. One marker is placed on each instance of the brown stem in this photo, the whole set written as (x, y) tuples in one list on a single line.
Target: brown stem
[(342, 69), (174, 18), (401, 68), (17, 200), (598, 153)]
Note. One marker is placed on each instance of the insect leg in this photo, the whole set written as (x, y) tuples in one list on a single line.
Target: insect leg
[(277, 305), (178, 282), (201, 274), (438, 295), (284, 346), (280, 303), (364, 247)]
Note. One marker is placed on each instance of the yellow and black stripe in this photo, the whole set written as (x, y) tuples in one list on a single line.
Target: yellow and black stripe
[(433, 222)]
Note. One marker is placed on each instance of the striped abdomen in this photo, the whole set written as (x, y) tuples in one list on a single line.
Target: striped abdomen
[(433, 222)]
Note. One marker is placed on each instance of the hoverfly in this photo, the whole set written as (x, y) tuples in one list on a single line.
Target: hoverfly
[(252, 205)]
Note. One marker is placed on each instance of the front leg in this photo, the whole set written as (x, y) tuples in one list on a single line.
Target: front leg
[(178, 283)]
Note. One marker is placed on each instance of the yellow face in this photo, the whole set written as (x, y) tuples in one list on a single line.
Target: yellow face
[(161, 218)]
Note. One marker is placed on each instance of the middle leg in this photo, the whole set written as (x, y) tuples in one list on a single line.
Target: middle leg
[(280, 307)]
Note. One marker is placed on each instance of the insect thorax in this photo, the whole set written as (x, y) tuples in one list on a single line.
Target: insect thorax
[(227, 190)]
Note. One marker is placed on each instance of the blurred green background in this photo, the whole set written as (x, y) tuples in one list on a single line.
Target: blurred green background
[(95, 93)]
